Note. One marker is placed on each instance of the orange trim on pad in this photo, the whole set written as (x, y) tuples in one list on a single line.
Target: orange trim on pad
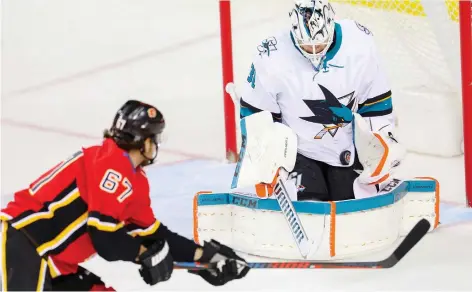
[(384, 156), (195, 215), (264, 190), (436, 204), (332, 230), (380, 180)]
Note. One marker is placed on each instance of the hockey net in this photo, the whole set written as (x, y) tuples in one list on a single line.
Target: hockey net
[(419, 42), (425, 47)]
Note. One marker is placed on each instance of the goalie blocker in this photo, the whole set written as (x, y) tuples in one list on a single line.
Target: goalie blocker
[(334, 230)]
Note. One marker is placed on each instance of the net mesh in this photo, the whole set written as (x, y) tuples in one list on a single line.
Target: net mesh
[(419, 46), (414, 8)]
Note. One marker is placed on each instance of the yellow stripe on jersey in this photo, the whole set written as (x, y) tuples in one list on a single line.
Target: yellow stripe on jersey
[(53, 270), (3, 267), (377, 101), (61, 237), (104, 226), (5, 216), (72, 196), (145, 232), (42, 275), (63, 165)]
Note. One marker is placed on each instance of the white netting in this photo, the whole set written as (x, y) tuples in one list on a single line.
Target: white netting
[(419, 45)]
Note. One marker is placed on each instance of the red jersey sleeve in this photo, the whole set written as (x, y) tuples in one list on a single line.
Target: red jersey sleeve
[(141, 221), (143, 225)]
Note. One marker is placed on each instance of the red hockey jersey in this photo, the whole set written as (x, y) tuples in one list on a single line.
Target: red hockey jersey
[(91, 202)]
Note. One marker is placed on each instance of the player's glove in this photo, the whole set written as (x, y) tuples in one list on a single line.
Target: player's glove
[(228, 266), (156, 263)]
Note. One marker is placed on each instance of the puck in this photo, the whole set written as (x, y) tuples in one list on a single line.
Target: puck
[(345, 157)]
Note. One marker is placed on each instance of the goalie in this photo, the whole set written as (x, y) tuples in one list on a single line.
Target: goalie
[(324, 81)]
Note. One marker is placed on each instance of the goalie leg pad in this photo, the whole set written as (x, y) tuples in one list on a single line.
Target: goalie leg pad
[(266, 146)]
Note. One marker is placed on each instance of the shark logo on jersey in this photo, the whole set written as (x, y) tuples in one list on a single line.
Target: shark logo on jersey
[(331, 113), (267, 46)]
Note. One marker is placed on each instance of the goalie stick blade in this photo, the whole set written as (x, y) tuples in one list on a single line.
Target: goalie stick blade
[(411, 239)]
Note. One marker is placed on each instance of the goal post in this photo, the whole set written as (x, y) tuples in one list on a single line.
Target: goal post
[(227, 69), (425, 47), (465, 12)]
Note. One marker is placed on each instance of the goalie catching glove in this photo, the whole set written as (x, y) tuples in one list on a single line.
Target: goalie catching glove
[(380, 155), (229, 266), (379, 152), (156, 263)]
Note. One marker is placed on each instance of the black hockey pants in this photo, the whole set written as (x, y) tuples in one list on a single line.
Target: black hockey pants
[(322, 182), (22, 269)]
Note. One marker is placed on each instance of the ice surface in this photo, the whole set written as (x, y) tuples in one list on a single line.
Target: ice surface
[(68, 65)]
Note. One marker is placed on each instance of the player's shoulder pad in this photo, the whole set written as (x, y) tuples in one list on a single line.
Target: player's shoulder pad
[(271, 52), (267, 47), (356, 31), (272, 46), (358, 38), (105, 158)]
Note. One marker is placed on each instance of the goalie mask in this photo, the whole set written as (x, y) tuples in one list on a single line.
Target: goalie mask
[(313, 25)]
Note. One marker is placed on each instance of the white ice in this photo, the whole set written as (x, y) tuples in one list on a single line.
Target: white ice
[(68, 65)]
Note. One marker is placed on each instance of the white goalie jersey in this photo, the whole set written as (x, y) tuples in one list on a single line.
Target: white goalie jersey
[(318, 105)]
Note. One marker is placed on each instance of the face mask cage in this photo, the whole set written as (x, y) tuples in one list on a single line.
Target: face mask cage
[(158, 139)]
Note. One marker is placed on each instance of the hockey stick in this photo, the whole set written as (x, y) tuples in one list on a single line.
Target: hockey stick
[(230, 88), (410, 240), (291, 217)]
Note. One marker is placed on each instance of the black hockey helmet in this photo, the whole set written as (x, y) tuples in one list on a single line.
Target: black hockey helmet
[(134, 122)]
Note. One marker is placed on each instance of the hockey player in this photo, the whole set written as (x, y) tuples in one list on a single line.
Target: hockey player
[(97, 201), (313, 78)]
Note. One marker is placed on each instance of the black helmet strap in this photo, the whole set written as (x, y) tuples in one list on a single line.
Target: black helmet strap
[(149, 160)]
